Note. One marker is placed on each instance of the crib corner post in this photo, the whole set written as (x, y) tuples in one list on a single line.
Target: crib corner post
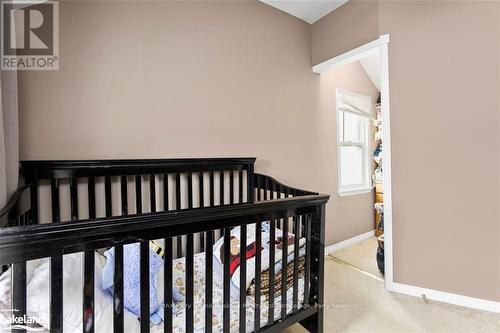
[(314, 324)]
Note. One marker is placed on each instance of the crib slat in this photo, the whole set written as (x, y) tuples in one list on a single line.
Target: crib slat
[(221, 188), (202, 204), (138, 194), (107, 191), (221, 194), (34, 203), (19, 291), (178, 191), (91, 190), (240, 186), (56, 294), (167, 289), (284, 270), (74, 199), (124, 199), (118, 290), (165, 192), (231, 187), (250, 183), (212, 189), (266, 187), (227, 281), (258, 188), (272, 239), (152, 193), (88, 292), (124, 194), (243, 277), (202, 189), (144, 287), (296, 220), (190, 190), (307, 225), (178, 207), (258, 245), (189, 284), (54, 185), (208, 280)]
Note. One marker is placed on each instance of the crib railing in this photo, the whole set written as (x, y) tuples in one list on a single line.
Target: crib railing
[(18, 245), (80, 206), (268, 188), (71, 191)]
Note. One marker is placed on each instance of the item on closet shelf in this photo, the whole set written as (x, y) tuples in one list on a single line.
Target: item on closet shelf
[(378, 136), (379, 207), (377, 155), (379, 218), (380, 254), (131, 279), (378, 175), (378, 111)]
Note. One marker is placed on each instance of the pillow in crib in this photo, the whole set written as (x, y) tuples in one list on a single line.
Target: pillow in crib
[(5, 278), (131, 279), (39, 297)]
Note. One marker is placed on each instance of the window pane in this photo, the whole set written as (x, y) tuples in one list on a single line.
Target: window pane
[(352, 127), (351, 166)]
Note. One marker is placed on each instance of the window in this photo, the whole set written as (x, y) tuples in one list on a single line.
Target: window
[(354, 112)]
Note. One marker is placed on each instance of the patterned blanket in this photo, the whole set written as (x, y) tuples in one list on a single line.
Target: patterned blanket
[(278, 279)]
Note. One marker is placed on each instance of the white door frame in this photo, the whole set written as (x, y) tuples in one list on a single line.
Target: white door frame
[(380, 45)]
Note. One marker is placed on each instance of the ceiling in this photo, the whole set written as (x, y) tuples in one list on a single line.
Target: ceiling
[(371, 64), (307, 10)]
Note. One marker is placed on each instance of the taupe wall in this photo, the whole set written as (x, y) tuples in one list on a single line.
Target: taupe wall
[(176, 79), (351, 215), (354, 24), (444, 79), (167, 79)]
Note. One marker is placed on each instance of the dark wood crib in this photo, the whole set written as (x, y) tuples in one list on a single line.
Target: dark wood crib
[(82, 206)]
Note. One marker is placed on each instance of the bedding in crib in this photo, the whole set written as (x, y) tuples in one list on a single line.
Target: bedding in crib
[(132, 282), (38, 298), (251, 250)]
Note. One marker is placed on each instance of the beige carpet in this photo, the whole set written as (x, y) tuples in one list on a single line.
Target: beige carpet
[(361, 255), (356, 302)]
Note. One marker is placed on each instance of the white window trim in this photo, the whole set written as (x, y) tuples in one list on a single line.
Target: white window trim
[(367, 185)]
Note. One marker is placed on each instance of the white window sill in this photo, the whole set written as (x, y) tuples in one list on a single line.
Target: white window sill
[(362, 190)]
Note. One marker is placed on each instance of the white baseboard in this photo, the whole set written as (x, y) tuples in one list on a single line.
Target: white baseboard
[(349, 242), (441, 296)]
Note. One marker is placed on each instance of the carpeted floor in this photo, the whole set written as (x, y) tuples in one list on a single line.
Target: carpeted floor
[(356, 302), (361, 255)]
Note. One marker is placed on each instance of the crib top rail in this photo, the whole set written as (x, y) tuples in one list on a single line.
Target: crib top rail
[(39, 241), (44, 169), (267, 183)]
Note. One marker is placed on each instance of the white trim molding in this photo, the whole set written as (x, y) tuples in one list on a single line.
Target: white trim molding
[(441, 296), (387, 163), (361, 190), (350, 56), (349, 242)]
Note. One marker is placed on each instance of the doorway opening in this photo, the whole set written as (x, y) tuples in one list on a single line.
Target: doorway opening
[(364, 145)]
